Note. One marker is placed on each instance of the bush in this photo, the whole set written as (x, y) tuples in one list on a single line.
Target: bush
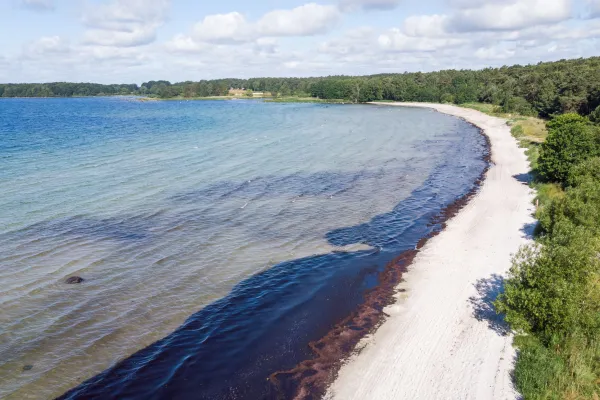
[(585, 172), (447, 98), (580, 206), (546, 292), (517, 105), (595, 115), (571, 140)]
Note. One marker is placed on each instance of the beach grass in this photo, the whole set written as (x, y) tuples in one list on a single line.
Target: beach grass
[(529, 131)]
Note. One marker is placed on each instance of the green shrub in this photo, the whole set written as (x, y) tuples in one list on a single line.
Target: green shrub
[(545, 293), (571, 140), (595, 115), (447, 98), (585, 172), (517, 105)]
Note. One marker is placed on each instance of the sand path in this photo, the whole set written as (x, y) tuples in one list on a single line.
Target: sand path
[(443, 339)]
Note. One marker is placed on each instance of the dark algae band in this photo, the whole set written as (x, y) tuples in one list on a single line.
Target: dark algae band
[(310, 379), (283, 333)]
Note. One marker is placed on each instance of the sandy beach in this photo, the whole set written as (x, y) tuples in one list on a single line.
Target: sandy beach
[(442, 339)]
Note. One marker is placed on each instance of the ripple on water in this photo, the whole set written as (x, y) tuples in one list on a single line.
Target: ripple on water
[(254, 236)]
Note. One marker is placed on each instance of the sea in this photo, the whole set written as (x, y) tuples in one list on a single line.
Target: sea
[(216, 239)]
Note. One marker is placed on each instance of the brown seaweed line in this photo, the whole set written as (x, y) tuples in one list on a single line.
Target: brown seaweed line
[(310, 379)]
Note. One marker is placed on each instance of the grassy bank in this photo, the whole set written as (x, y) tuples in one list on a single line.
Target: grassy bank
[(294, 99), (552, 294)]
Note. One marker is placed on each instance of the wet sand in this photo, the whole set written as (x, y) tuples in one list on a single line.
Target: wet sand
[(442, 339)]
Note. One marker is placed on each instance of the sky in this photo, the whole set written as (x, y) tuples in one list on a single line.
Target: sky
[(133, 41)]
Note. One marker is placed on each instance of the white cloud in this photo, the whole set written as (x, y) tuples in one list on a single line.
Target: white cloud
[(396, 40), (306, 20), (233, 28), (494, 53), (479, 16), (352, 5), (426, 25), (358, 41), (124, 23), (468, 34), (517, 14), (266, 46), (185, 44), (46, 45), (223, 28), (135, 37), (38, 5), (291, 64), (476, 3)]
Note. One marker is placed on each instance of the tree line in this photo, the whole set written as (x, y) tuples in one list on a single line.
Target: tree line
[(543, 89), (65, 89)]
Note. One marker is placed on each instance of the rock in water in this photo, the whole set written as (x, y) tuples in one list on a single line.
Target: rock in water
[(27, 367), (72, 280)]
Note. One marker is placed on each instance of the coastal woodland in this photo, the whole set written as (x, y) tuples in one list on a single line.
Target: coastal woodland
[(544, 89)]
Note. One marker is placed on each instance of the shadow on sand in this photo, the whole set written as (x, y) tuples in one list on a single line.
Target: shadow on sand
[(488, 290)]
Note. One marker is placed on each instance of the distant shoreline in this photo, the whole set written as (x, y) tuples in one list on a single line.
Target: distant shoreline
[(141, 98)]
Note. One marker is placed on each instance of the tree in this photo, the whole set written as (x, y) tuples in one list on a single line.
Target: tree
[(571, 140), (595, 115)]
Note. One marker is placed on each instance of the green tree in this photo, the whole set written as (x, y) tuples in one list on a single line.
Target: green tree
[(571, 140), (595, 115), (545, 293)]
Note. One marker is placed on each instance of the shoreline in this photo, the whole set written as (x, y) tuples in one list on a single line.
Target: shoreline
[(312, 377), (441, 337)]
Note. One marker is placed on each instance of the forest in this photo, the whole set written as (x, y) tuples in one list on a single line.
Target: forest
[(544, 89)]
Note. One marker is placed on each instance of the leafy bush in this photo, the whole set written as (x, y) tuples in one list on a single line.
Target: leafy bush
[(447, 98), (585, 172), (571, 140), (595, 115), (517, 105), (546, 292)]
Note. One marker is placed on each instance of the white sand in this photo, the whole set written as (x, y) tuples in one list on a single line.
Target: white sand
[(442, 339)]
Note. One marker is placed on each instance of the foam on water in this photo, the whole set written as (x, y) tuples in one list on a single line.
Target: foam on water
[(163, 207)]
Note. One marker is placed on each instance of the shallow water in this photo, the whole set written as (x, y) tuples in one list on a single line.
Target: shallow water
[(164, 207)]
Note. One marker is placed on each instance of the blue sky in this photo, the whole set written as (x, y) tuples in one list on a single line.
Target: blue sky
[(114, 41)]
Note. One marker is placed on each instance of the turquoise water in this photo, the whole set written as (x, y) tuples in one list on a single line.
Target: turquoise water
[(164, 206)]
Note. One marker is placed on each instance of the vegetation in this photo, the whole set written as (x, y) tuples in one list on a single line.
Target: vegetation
[(571, 140), (65, 89), (294, 99), (552, 294), (544, 89)]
